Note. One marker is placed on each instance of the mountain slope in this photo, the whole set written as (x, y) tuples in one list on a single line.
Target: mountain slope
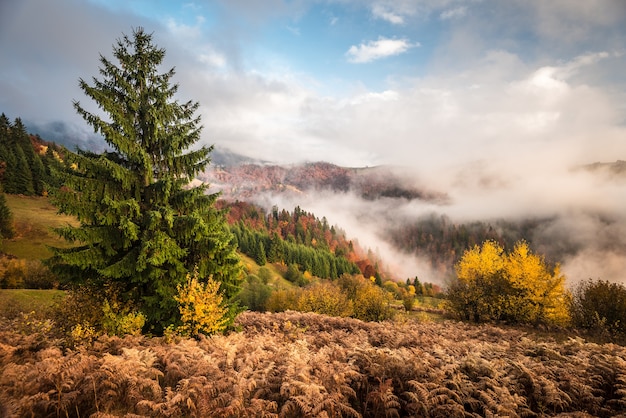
[(243, 181)]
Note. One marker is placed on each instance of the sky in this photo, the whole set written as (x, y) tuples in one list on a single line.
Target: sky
[(494, 102), (354, 82)]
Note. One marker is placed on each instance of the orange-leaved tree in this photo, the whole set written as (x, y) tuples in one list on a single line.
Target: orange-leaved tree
[(518, 286)]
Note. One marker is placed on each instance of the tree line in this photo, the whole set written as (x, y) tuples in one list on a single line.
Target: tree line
[(300, 238), (26, 161), (444, 242)]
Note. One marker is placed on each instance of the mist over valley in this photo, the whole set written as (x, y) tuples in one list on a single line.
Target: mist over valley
[(420, 226)]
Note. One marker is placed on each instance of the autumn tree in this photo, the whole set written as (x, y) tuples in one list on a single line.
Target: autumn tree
[(142, 225), (201, 307), (517, 287)]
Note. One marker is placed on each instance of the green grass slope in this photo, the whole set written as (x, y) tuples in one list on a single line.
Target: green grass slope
[(14, 301), (34, 219)]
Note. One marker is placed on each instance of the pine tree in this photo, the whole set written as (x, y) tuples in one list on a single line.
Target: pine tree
[(7, 155), (22, 182), (6, 219), (142, 227), (260, 258), (25, 155), (276, 252), (6, 216)]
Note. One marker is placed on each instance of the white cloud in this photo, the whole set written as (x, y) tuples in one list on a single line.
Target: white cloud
[(184, 30), (212, 58), (373, 50), (382, 12), (574, 21)]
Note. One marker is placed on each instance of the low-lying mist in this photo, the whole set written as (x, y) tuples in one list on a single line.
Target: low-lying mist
[(578, 215)]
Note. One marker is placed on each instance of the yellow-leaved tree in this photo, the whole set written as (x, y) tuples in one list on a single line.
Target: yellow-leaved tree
[(201, 307), (518, 286), (542, 289)]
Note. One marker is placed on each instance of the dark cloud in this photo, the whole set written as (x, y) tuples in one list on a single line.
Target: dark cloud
[(45, 47)]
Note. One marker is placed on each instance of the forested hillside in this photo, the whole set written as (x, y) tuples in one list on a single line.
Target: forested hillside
[(246, 180), (25, 159), (299, 238), (296, 239)]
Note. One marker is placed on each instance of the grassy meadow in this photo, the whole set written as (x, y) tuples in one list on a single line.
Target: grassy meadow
[(34, 217)]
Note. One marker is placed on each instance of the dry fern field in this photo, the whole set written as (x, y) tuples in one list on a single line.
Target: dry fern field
[(307, 365)]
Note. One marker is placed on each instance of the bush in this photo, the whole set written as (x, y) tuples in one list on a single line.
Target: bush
[(408, 301), (201, 307), (118, 321), (352, 296), (601, 306), (373, 304), (283, 300), (351, 284), (39, 276), (325, 298), (16, 273), (88, 311), (264, 274), (255, 293), (12, 273), (294, 275)]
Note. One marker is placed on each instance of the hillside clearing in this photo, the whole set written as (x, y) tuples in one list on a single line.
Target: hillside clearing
[(34, 218)]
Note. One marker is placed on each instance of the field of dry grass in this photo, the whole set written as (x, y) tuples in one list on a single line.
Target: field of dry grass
[(307, 365)]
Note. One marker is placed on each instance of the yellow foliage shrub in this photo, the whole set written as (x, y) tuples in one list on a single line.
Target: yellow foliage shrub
[(83, 334), (518, 286), (12, 273), (283, 300), (87, 312), (117, 321), (325, 298), (201, 307), (372, 303)]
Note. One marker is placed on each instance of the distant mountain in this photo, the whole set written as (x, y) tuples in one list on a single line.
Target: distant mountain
[(238, 178), (615, 169)]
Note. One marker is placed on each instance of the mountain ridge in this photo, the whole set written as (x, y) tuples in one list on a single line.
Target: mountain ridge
[(244, 180)]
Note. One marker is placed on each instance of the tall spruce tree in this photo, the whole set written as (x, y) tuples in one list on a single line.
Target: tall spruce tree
[(141, 226), (6, 217)]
